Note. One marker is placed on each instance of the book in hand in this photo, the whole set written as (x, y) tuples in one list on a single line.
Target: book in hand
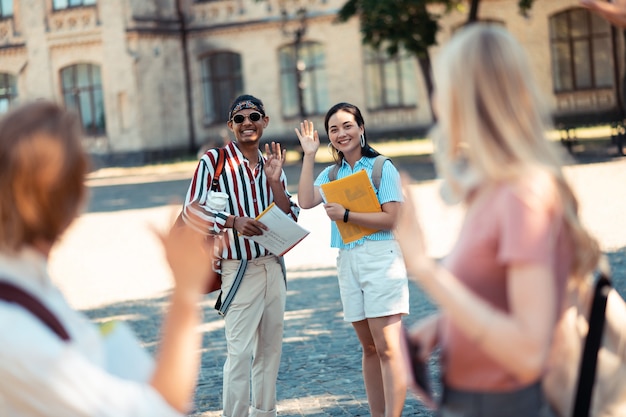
[(354, 192), (418, 376), (283, 234)]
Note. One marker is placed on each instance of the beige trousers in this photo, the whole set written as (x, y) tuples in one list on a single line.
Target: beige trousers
[(254, 333)]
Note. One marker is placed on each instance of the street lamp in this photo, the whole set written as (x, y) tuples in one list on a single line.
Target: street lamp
[(296, 28)]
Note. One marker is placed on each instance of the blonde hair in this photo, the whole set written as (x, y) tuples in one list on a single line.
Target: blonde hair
[(490, 115), (42, 172)]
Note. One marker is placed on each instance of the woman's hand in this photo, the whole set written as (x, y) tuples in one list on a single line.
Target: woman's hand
[(275, 158), (424, 334), (335, 211), (189, 256), (409, 234), (308, 137)]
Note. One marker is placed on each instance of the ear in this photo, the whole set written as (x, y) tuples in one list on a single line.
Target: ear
[(266, 121), (230, 125)]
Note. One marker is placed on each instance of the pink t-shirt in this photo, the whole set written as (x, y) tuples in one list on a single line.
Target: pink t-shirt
[(508, 224)]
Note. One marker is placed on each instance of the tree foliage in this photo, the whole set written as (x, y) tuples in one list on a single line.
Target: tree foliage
[(396, 23)]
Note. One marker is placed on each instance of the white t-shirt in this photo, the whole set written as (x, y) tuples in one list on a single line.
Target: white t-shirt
[(41, 375)]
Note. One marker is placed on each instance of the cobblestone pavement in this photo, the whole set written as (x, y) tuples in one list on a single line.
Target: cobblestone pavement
[(109, 265)]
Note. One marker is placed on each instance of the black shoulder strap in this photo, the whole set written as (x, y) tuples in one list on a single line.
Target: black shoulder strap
[(589, 360), (377, 170), (14, 294)]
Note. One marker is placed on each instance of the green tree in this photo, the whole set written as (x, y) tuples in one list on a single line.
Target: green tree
[(406, 24), (397, 24)]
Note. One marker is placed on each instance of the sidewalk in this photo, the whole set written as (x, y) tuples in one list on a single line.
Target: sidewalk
[(110, 265)]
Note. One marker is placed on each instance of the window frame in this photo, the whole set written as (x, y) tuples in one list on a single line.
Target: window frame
[(315, 93), (74, 6), (2, 13), (9, 82), (380, 60), (209, 82), (74, 91), (570, 40)]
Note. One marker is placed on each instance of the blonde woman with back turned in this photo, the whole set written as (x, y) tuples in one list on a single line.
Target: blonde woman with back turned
[(501, 288)]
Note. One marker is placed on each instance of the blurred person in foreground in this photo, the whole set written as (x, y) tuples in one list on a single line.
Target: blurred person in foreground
[(613, 10), (42, 190), (501, 288)]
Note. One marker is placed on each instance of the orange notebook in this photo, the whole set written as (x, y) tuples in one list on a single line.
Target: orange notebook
[(354, 192)]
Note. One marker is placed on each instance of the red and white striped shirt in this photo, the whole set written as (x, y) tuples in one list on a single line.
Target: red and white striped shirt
[(249, 194)]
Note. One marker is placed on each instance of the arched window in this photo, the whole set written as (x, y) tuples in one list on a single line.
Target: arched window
[(82, 91), (66, 4), (581, 49), (6, 8), (391, 81), (8, 91), (221, 83), (309, 65)]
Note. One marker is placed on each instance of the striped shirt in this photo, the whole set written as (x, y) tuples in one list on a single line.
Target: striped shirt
[(249, 194), (389, 190)]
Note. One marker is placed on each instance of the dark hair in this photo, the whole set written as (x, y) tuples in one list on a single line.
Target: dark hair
[(366, 150), (42, 173), (252, 102)]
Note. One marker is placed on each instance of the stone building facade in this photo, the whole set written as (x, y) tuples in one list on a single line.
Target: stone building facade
[(152, 78)]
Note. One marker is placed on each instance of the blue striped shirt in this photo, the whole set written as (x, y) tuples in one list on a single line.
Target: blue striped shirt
[(249, 194), (390, 190)]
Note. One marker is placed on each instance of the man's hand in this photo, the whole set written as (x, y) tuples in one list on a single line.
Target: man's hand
[(613, 11), (275, 160), (248, 226)]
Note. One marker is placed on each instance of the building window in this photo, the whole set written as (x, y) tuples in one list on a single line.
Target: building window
[(221, 83), (6, 8), (82, 91), (391, 81), (8, 91), (581, 49), (313, 86), (66, 4)]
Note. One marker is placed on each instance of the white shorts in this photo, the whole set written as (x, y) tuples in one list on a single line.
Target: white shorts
[(372, 280)]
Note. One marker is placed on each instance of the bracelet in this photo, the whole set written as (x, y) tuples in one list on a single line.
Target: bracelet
[(345, 216), (234, 219)]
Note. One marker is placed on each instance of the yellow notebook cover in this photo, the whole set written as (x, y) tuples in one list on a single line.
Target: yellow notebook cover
[(354, 192)]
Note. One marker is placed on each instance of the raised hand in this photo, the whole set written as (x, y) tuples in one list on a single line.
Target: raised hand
[(275, 158), (188, 256), (614, 11), (409, 234), (308, 137)]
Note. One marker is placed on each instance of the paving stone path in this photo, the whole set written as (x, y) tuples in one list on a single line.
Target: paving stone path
[(109, 265)]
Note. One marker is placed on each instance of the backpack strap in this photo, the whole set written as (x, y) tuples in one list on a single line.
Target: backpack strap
[(219, 167), (589, 360), (332, 174), (16, 295), (377, 170)]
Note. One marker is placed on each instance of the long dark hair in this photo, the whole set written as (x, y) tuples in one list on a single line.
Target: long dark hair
[(366, 150)]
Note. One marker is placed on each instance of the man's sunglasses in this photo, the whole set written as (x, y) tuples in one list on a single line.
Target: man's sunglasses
[(254, 117)]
